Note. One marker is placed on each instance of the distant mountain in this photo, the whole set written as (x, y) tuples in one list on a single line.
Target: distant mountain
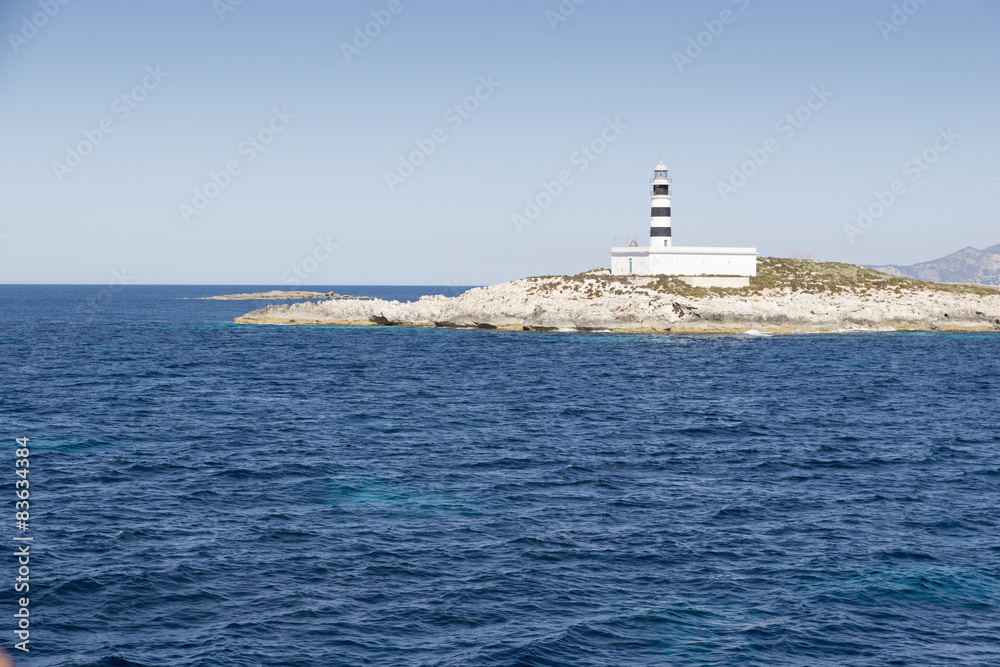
[(965, 266)]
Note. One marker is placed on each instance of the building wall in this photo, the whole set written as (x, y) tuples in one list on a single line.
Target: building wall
[(621, 258), (708, 263), (682, 261)]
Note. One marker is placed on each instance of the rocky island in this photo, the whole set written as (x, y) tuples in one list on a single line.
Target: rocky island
[(786, 296), (280, 295)]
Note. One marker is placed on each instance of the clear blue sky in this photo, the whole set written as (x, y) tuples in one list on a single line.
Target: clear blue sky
[(324, 173)]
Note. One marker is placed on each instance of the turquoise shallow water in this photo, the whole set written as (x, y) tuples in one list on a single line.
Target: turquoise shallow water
[(212, 494)]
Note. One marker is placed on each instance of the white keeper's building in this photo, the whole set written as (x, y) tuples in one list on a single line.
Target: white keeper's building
[(701, 267)]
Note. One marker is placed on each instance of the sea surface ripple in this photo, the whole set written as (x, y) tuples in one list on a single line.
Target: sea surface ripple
[(205, 493)]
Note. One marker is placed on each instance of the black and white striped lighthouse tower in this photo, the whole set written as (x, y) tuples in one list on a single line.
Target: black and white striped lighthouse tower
[(659, 226)]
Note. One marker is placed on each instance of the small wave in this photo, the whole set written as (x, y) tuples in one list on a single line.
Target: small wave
[(733, 513), (70, 446), (114, 661), (80, 586)]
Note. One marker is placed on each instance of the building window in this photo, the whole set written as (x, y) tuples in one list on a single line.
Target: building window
[(661, 189)]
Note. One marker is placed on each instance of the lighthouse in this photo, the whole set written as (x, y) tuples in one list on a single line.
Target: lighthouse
[(698, 266), (659, 225)]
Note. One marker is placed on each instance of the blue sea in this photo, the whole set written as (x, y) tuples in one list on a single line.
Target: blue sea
[(206, 493)]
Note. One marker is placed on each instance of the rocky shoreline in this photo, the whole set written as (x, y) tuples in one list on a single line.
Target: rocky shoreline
[(786, 296)]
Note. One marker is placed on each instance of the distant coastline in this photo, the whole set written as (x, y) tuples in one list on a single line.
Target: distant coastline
[(786, 296), (967, 266)]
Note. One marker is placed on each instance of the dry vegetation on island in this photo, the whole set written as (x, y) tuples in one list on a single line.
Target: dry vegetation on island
[(774, 276)]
